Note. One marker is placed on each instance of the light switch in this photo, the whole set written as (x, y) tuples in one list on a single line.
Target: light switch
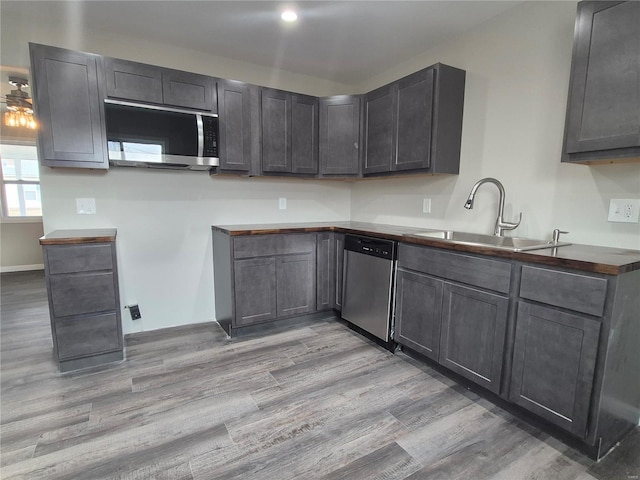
[(426, 205), (282, 203), (86, 206)]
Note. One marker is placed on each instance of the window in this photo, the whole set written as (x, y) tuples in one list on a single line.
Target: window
[(20, 181)]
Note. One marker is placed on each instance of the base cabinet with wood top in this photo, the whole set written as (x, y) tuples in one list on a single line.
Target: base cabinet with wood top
[(84, 304), (453, 308), (559, 343), (263, 278)]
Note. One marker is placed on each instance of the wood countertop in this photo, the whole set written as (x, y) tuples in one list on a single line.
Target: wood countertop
[(588, 258), (73, 237)]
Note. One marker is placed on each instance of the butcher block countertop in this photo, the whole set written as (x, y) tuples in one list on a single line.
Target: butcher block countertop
[(588, 258), (74, 237)]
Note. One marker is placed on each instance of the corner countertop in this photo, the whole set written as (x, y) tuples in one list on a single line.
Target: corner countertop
[(74, 237), (588, 258)]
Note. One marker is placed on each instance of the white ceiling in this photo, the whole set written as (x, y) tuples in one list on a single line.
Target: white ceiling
[(345, 42)]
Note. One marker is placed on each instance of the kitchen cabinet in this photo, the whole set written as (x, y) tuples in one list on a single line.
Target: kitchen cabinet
[(263, 278), (473, 334), (602, 122), (339, 143), (325, 271), (68, 106), (556, 344), (289, 128), (338, 241), (554, 365), (150, 84), (415, 123), (330, 258), (419, 312), (84, 302), (238, 123), (453, 309), (255, 290)]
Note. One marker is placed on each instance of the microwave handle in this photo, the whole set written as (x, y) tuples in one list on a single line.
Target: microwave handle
[(200, 134)]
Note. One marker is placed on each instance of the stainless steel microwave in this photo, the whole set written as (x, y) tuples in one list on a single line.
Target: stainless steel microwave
[(158, 137)]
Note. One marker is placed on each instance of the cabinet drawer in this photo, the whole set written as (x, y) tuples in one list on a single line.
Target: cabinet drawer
[(79, 258), (480, 272), (268, 245), (77, 294), (80, 336), (581, 293)]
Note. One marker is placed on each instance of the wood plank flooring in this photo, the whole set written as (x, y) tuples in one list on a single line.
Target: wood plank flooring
[(316, 401)]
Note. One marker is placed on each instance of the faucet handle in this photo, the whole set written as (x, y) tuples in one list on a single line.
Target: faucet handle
[(556, 235)]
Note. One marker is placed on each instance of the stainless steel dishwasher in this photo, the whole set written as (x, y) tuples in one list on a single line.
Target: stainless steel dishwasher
[(367, 295)]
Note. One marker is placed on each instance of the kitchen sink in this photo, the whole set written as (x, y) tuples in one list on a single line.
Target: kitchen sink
[(513, 244)]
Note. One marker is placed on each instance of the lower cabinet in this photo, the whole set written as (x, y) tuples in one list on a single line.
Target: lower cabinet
[(554, 364), (295, 284), (255, 290), (84, 304), (418, 312), (474, 324), (446, 311), (263, 278), (330, 261)]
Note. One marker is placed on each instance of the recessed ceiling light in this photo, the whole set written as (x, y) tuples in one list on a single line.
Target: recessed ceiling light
[(289, 16)]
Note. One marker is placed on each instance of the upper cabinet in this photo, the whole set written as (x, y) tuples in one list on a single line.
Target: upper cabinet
[(603, 119), (238, 110), (68, 106), (289, 128), (415, 123), (147, 83), (339, 147)]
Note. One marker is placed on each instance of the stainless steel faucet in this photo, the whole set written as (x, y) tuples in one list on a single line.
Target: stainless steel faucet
[(501, 225)]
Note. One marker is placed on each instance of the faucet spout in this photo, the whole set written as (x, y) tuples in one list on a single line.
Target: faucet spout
[(500, 225)]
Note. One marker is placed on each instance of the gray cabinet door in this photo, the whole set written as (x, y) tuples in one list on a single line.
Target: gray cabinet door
[(82, 293), (255, 290), (189, 90), (418, 312), (325, 271), (414, 112), (379, 133), (304, 134), (133, 81), (338, 239), (276, 126), (473, 334), (68, 107), (604, 92), (234, 104), (340, 135), (553, 365), (87, 335), (296, 284)]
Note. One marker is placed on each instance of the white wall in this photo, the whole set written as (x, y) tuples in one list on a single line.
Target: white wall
[(517, 79), (20, 247)]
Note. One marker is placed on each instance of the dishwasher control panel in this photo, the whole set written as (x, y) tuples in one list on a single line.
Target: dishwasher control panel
[(375, 247)]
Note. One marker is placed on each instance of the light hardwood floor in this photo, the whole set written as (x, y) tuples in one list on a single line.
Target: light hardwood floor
[(316, 401)]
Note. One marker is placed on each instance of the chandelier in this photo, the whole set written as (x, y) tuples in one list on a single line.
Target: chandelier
[(20, 111)]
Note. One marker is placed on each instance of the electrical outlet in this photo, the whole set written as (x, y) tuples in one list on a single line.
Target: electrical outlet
[(282, 203), (426, 205), (625, 210), (86, 206), (134, 310)]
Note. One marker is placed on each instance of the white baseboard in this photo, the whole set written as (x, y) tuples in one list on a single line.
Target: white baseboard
[(22, 268)]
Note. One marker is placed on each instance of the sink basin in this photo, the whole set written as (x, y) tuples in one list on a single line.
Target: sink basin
[(513, 244)]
